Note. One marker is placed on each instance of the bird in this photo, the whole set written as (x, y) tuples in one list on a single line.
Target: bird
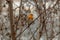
[(30, 16)]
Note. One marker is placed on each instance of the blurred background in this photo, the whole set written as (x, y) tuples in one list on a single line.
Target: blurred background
[(29, 19)]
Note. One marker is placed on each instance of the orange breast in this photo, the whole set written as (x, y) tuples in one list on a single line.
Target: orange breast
[(30, 17)]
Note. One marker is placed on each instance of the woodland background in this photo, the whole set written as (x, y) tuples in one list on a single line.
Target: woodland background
[(14, 23)]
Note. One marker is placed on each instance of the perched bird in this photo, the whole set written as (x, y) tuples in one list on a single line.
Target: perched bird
[(30, 16)]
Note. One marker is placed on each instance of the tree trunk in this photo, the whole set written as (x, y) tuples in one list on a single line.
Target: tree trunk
[(0, 6), (13, 34)]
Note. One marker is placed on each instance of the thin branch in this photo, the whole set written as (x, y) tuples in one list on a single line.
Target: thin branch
[(28, 26)]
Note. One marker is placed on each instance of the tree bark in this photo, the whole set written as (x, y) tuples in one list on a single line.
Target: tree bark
[(13, 34), (0, 6)]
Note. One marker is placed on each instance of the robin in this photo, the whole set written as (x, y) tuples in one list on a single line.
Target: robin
[(30, 18)]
